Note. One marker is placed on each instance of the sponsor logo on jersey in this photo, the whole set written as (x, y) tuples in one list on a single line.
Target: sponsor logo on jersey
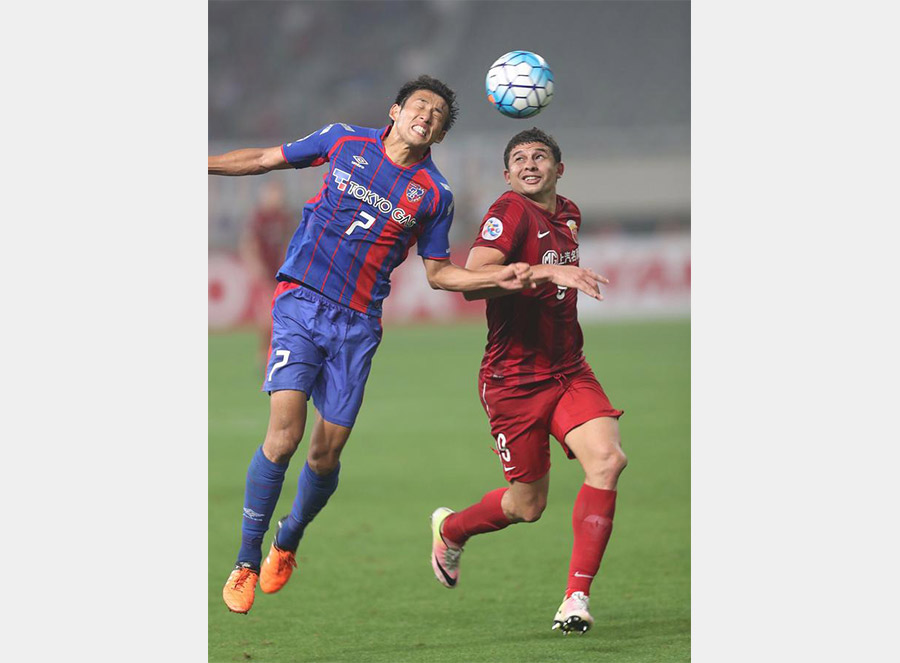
[(543, 234), (551, 257), (414, 192), (383, 205), (341, 177), (568, 257), (359, 161), (574, 228), (492, 229)]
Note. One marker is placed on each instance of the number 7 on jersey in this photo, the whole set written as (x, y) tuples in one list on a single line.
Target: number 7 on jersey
[(360, 224)]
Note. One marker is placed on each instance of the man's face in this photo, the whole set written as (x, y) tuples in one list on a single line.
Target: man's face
[(532, 171), (420, 121)]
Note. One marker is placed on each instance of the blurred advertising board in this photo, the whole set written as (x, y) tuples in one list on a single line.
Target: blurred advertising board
[(650, 277)]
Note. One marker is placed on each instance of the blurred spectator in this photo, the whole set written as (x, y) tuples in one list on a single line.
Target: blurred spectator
[(262, 248)]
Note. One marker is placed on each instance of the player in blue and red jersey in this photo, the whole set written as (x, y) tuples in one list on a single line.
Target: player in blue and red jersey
[(535, 381), (381, 194)]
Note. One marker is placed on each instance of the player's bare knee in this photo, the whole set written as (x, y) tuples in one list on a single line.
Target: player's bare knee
[(280, 444), (611, 461), (323, 459), (283, 435), (618, 461), (533, 513), (605, 468), (323, 465), (527, 512)]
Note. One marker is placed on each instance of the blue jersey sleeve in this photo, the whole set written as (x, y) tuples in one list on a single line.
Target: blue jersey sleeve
[(313, 150), (434, 242)]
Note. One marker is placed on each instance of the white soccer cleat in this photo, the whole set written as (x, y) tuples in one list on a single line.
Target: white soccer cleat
[(573, 615), (444, 559)]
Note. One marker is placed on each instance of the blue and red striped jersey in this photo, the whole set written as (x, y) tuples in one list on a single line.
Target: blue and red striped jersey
[(363, 221)]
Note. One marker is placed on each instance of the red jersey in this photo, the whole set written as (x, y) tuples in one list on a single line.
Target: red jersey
[(532, 335), (272, 230)]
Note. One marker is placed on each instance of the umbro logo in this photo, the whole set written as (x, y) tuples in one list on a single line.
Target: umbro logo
[(253, 515), (360, 161), (543, 234)]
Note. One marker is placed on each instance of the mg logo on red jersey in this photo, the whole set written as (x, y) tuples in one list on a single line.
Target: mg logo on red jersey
[(551, 257), (414, 192)]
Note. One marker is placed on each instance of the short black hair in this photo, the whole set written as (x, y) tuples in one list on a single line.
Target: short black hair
[(425, 82), (533, 135)]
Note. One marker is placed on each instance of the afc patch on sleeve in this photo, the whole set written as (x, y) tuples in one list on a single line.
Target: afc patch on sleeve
[(492, 228)]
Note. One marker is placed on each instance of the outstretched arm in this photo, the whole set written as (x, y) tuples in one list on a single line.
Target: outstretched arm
[(444, 275), (249, 161), (571, 276), (487, 259)]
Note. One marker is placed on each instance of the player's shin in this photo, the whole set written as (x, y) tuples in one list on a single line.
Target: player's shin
[(484, 516), (313, 492), (592, 520), (263, 487)]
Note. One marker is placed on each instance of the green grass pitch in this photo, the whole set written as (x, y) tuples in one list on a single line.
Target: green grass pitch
[(364, 590)]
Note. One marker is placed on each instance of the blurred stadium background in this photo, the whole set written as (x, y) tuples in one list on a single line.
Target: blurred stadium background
[(621, 114)]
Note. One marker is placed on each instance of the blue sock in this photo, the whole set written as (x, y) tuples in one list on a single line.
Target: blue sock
[(313, 492), (264, 479)]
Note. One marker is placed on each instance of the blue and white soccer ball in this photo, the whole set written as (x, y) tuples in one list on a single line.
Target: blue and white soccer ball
[(519, 84)]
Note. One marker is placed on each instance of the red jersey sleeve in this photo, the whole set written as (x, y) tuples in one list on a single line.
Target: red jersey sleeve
[(503, 226)]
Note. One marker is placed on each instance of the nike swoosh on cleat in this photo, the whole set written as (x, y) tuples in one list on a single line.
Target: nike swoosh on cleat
[(449, 580)]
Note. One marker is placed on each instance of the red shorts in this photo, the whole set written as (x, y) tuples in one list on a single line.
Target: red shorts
[(524, 416)]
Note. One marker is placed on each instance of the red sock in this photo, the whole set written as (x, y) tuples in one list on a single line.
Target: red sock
[(481, 517), (592, 520)]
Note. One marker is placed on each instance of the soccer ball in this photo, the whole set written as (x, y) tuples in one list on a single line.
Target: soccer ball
[(519, 84)]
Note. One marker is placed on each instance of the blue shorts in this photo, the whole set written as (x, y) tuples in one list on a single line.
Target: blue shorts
[(321, 348)]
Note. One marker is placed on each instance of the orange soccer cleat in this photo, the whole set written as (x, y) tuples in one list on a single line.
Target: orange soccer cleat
[(277, 567), (240, 588)]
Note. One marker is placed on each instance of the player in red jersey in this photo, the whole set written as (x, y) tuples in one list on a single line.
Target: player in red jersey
[(262, 247), (534, 380)]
